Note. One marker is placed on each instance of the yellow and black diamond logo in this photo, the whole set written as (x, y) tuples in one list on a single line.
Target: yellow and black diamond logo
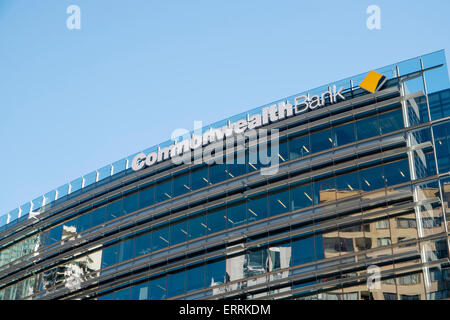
[(373, 82)]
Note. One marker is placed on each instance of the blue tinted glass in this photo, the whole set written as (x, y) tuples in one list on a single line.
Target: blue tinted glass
[(195, 278), (147, 196), (278, 201), (283, 153), (216, 219), (126, 250), (324, 191), (303, 251), (98, 216), (391, 121), (130, 203), (157, 289), (84, 222), (142, 243), (257, 208), (442, 144), (372, 178), (439, 104), (321, 141), (215, 273), (160, 238), (123, 294), (417, 111), (218, 173), (299, 147), (109, 256), (236, 166), (197, 226), (178, 232), (367, 128), (236, 214), (139, 291), (175, 284), (181, 184), (114, 209), (347, 185), (344, 134), (199, 178), (54, 235), (396, 172), (301, 196), (164, 190)]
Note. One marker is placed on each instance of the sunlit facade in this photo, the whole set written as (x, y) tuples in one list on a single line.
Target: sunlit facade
[(363, 185)]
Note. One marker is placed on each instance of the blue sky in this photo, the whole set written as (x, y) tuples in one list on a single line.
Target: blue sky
[(73, 101)]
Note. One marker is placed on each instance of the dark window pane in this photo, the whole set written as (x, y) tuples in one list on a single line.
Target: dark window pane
[(126, 250), (98, 216), (84, 222), (160, 238), (391, 121), (301, 196), (164, 190), (218, 173), (157, 289), (396, 172), (299, 147), (139, 291), (257, 208), (197, 226), (142, 243), (199, 178), (236, 214), (123, 294), (344, 134), (178, 232), (372, 178), (236, 165), (130, 203), (302, 251), (175, 284), (114, 209), (109, 256), (367, 128), (147, 196), (195, 278), (278, 201), (321, 141), (216, 219), (347, 185), (324, 191), (215, 273), (181, 184)]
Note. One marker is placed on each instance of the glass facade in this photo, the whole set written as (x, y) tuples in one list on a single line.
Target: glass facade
[(362, 185)]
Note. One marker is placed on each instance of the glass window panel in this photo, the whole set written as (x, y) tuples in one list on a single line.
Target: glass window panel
[(109, 256), (84, 222), (324, 191), (396, 172), (283, 154), (178, 232), (236, 165), (218, 173), (98, 216), (299, 147), (164, 190), (301, 196), (147, 196), (372, 178), (321, 141), (367, 128), (126, 250), (123, 294), (236, 214), (347, 185), (199, 178), (195, 278), (160, 238), (181, 184), (391, 121), (197, 226), (215, 273), (257, 207), (142, 243), (344, 134), (175, 284), (303, 251), (130, 203), (114, 209), (158, 289), (140, 291), (278, 201), (217, 219)]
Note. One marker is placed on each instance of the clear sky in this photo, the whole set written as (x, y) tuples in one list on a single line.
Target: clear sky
[(73, 101)]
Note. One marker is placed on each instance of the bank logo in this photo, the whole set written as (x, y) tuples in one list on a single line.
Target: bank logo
[(373, 82)]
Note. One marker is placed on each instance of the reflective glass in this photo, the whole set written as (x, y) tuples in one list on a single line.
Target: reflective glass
[(321, 141), (301, 195), (160, 238), (257, 207), (367, 128), (299, 147), (278, 201), (344, 134), (236, 214), (158, 289)]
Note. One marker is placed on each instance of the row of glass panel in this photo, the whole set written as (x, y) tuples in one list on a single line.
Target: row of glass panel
[(292, 148)]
